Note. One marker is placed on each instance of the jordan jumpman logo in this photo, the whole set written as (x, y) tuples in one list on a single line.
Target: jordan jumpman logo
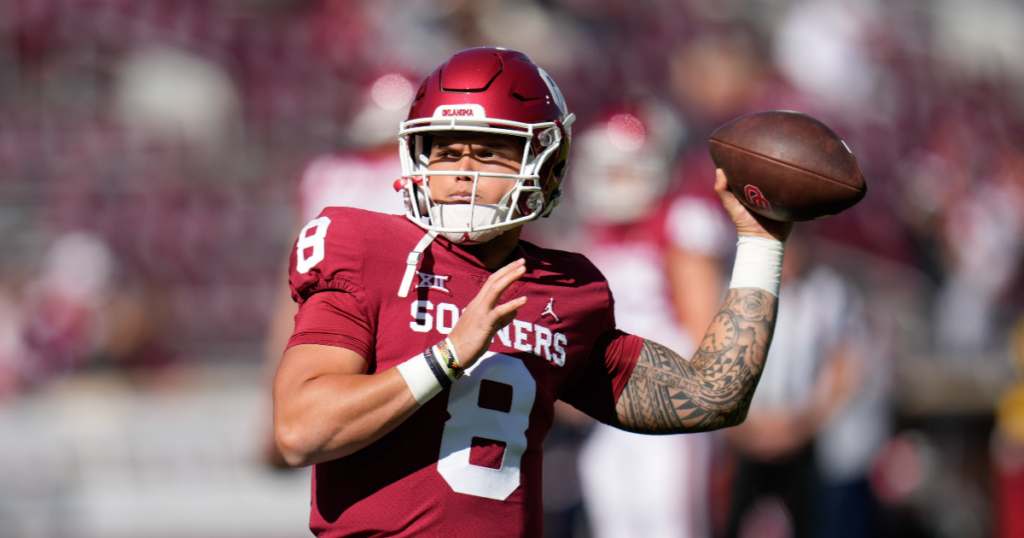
[(550, 310)]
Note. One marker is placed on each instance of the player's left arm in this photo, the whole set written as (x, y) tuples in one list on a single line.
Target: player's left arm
[(668, 394)]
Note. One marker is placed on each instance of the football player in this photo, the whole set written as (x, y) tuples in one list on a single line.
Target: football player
[(429, 348)]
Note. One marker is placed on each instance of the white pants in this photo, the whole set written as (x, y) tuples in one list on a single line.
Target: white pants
[(645, 486)]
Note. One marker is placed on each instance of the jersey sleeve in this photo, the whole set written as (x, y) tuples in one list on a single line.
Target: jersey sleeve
[(606, 371), (328, 255), (326, 276), (333, 318)]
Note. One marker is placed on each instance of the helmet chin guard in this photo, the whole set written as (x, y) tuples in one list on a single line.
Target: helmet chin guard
[(480, 219), (491, 91)]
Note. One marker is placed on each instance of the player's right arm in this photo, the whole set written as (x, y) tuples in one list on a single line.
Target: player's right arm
[(667, 393), (326, 407)]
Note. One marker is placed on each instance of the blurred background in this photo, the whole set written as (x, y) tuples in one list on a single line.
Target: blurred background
[(158, 157)]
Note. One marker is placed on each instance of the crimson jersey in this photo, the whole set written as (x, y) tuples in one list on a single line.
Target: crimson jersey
[(468, 462)]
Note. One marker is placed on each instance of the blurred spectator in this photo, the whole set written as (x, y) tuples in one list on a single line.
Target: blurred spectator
[(980, 40), (12, 346), (814, 367), (983, 237), (661, 256), (715, 78), (76, 315), (963, 202), (169, 93), (1008, 449), (821, 48), (63, 304)]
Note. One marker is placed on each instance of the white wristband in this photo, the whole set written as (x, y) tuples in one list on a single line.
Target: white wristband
[(758, 264), (420, 377)]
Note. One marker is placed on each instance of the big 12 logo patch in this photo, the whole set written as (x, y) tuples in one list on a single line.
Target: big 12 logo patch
[(756, 199)]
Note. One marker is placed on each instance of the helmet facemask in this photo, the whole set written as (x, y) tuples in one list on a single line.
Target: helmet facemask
[(474, 223)]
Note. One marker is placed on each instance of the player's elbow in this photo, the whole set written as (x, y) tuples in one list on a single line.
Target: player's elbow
[(736, 416), (302, 444), (293, 444)]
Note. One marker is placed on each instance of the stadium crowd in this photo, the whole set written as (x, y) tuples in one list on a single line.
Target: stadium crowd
[(151, 154)]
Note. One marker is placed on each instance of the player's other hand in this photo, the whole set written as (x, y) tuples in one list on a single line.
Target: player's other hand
[(747, 222), (484, 317)]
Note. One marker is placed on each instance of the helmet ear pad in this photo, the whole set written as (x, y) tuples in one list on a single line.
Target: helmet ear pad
[(551, 174), (421, 199)]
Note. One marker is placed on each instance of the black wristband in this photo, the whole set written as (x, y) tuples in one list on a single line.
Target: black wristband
[(435, 367)]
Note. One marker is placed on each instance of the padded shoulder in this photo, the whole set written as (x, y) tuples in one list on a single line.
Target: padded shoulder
[(333, 250), (563, 264)]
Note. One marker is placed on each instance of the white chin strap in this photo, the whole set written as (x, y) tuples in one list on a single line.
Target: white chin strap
[(454, 216), (468, 217)]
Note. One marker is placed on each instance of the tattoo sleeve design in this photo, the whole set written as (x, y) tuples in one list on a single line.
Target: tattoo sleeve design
[(668, 394)]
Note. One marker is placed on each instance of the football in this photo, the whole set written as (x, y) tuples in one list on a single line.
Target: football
[(787, 165)]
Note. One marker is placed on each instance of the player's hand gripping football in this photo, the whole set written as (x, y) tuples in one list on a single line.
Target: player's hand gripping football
[(747, 222), (484, 317)]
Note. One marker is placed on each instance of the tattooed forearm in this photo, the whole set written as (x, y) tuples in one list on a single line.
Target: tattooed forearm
[(668, 394)]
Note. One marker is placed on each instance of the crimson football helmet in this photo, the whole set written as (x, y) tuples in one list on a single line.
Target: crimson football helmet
[(487, 90)]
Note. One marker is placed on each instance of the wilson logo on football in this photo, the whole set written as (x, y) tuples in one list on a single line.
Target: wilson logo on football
[(756, 199)]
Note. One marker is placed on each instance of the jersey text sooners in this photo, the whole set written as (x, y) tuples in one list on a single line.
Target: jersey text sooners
[(521, 335)]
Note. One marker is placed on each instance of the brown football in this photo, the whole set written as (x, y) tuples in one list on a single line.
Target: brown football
[(787, 165)]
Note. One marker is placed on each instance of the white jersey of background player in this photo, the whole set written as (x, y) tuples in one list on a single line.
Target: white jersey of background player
[(662, 262), (361, 177)]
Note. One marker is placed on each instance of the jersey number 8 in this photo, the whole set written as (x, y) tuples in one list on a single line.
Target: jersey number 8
[(469, 420), (315, 242)]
